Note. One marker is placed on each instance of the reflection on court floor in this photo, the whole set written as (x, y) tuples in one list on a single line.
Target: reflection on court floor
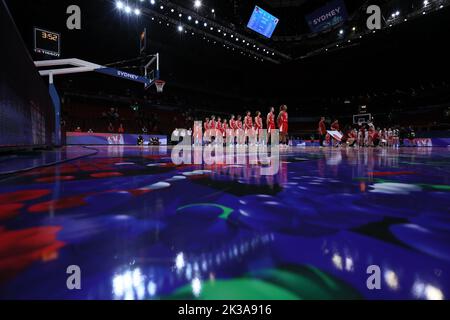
[(140, 227)]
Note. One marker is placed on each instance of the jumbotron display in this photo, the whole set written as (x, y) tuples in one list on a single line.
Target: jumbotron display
[(263, 22)]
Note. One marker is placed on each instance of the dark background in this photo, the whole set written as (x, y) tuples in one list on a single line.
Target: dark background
[(409, 55)]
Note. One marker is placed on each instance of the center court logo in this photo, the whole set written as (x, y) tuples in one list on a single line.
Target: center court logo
[(235, 147)]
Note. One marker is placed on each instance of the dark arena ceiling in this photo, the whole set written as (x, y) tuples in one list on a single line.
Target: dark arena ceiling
[(292, 38), (224, 22), (408, 51)]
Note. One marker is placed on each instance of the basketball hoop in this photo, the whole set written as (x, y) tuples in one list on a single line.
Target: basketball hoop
[(160, 85)]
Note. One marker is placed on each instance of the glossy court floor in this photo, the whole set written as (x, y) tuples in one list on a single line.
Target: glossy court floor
[(140, 227)]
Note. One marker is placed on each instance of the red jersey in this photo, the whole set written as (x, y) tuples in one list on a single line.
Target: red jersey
[(206, 126), (374, 134), (233, 124), (258, 123), (283, 122), (270, 121), (212, 124), (248, 122), (219, 126), (224, 126), (335, 126), (197, 132), (238, 124), (322, 127)]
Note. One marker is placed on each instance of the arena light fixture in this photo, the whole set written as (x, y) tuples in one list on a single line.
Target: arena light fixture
[(180, 28), (197, 3), (127, 9), (119, 5), (137, 11), (152, 2)]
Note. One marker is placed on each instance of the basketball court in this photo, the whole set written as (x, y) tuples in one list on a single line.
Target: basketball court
[(93, 205), (235, 233)]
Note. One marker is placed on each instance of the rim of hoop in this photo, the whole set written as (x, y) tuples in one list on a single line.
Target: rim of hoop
[(160, 82)]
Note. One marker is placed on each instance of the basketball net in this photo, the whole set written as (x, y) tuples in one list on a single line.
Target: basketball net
[(160, 85)]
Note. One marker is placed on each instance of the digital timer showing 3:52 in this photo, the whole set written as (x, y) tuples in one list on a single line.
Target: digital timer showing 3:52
[(47, 42)]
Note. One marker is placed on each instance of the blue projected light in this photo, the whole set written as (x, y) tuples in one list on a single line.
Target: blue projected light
[(263, 22)]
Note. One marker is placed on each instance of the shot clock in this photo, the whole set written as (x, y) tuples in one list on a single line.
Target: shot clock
[(47, 42)]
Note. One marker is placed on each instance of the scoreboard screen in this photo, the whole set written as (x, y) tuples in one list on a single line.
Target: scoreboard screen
[(47, 42), (263, 22)]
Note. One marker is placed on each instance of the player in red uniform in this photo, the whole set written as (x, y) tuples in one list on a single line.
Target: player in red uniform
[(335, 127), (238, 127), (197, 134), (239, 123), (233, 126), (212, 122), (213, 126), (248, 121), (258, 121), (271, 120), (219, 126), (283, 124), (233, 123), (322, 130), (206, 124), (224, 128), (248, 125)]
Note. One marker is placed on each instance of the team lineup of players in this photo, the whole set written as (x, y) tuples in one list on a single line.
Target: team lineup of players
[(365, 135), (251, 123)]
